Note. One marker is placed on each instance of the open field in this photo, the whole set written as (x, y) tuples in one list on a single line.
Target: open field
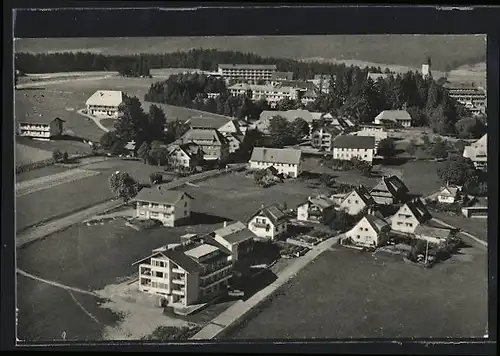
[(85, 192), (476, 227), (40, 172), (25, 154), (350, 294), (401, 50)]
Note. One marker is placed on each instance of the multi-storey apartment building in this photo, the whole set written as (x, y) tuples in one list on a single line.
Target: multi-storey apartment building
[(322, 138), (189, 273), (346, 147), (249, 72), (468, 94), (105, 103), (287, 161), (228, 127), (168, 206), (269, 93), (41, 128)]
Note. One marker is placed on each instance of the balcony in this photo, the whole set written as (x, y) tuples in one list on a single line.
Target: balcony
[(177, 270), (261, 225), (210, 272), (179, 281), (181, 292), (145, 271), (221, 280)]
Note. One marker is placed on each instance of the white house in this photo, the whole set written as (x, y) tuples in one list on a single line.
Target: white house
[(105, 103), (401, 117), (286, 160), (346, 147), (409, 216), (168, 206), (268, 222), (369, 231), (449, 195), (188, 155), (236, 238), (269, 93), (375, 131), (357, 200), (316, 209), (40, 128), (478, 152)]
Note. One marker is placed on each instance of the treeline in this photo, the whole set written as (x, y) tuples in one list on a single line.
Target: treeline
[(190, 90), (196, 58)]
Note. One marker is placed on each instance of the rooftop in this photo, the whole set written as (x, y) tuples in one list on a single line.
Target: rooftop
[(201, 250), (272, 212), (393, 115), (39, 120), (321, 201), (248, 66), (106, 98), (160, 195), (276, 155), (194, 135), (282, 76), (290, 115), (376, 222), (350, 141), (426, 230), (207, 122)]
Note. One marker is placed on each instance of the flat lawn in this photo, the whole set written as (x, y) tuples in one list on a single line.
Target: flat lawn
[(40, 172), (70, 197), (476, 227), (108, 123), (42, 321), (71, 146), (25, 154), (350, 294)]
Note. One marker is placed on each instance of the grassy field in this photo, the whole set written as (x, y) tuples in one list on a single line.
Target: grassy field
[(40, 172), (401, 50), (25, 154), (350, 294), (476, 227), (69, 197)]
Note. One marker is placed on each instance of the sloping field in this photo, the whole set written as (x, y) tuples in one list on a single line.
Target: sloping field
[(26, 154), (404, 50)]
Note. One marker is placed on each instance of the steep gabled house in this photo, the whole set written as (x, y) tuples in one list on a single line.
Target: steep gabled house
[(449, 195), (236, 238), (410, 215), (357, 200), (316, 209), (390, 190), (268, 222), (188, 155), (370, 231)]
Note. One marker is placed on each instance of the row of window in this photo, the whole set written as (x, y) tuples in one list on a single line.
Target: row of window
[(352, 149), (157, 263), (347, 155), (35, 133), (400, 223), (274, 164), (159, 285), (102, 107)]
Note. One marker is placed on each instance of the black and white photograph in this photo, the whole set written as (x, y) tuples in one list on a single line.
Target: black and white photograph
[(251, 187)]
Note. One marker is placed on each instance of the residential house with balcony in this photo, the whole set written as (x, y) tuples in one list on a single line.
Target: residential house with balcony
[(247, 72), (322, 138), (168, 206), (188, 155), (448, 195), (270, 93), (287, 161), (409, 216), (40, 128), (236, 238), (189, 273), (357, 200), (346, 147), (389, 190), (269, 222), (478, 153), (370, 231), (399, 117), (468, 94), (105, 103), (320, 209), (213, 144)]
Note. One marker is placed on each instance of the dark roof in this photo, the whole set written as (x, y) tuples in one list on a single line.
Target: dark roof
[(392, 185), (239, 236), (350, 141), (183, 260), (207, 122), (159, 195), (40, 120), (248, 66), (376, 222), (419, 210), (282, 76), (276, 155), (364, 194), (194, 135), (272, 212)]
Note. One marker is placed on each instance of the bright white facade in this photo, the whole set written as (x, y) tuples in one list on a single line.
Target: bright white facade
[(268, 223), (38, 129), (250, 72), (478, 152), (368, 231), (105, 103), (346, 147), (287, 161), (265, 92), (167, 206)]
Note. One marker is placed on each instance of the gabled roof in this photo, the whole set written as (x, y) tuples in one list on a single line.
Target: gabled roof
[(282, 76), (235, 233), (207, 122), (38, 120), (106, 98), (322, 202), (272, 212), (391, 184), (357, 142), (393, 115), (418, 209), (248, 66), (276, 155), (363, 194), (449, 191), (425, 230), (178, 257), (376, 223), (161, 196), (194, 135)]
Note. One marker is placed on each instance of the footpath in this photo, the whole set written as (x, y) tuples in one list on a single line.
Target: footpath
[(96, 120), (238, 311), (472, 237), (41, 231)]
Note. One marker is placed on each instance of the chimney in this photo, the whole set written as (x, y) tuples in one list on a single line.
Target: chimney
[(225, 223), (262, 205), (309, 197)]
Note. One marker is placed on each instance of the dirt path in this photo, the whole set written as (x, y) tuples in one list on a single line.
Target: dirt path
[(96, 120)]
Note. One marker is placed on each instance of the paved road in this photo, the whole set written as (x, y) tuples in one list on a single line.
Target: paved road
[(239, 310), (38, 232)]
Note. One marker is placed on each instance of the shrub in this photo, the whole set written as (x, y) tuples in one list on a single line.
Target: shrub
[(156, 178), (167, 333), (57, 155), (65, 157)]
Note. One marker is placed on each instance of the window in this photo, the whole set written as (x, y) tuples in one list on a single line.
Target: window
[(358, 237), (399, 223), (185, 204), (159, 274), (356, 202), (349, 201)]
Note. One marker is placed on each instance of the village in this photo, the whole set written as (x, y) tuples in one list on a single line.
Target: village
[(292, 182)]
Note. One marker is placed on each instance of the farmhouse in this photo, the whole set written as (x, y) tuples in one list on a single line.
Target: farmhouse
[(346, 147), (236, 238), (449, 195), (40, 128), (268, 222), (401, 117), (168, 206), (316, 209), (390, 190), (322, 138), (251, 72), (105, 103), (478, 153), (222, 124), (357, 200), (286, 160), (187, 274), (432, 234), (213, 144), (409, 216), (370, 231), (188, 155)]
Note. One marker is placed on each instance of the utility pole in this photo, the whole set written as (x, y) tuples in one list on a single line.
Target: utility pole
[(426, 251)]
